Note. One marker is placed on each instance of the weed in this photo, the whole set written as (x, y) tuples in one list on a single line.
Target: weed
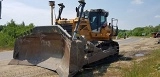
[(149, 67)]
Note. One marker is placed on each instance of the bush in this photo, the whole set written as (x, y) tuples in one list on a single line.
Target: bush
[(140, 31), (11, 31)]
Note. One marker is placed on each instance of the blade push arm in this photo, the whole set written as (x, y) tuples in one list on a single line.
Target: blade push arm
[(61, 7), (82, 5)]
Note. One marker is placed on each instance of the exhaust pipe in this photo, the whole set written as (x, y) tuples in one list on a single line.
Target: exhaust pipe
[(52, 4)]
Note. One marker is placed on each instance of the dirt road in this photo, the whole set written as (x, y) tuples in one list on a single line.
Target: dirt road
[(6, 55), (134, 49), (126, 48), (128, 40), (19, 70)]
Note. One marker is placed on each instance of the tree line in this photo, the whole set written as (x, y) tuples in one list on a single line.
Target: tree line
[(140, 31), (10, 31)]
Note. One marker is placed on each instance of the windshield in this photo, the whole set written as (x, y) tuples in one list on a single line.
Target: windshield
[(96, 19)]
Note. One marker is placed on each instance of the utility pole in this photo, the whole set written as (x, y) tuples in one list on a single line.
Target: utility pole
[(0, 7), (52, 4)]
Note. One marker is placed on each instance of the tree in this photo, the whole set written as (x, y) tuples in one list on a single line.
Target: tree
[(11, 31), (137, 31), (1, 27), (140, 31)]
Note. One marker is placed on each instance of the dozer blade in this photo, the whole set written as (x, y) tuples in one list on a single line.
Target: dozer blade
[(52, 50)]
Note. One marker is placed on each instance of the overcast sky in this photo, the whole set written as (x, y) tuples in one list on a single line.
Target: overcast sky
[(131, 13)]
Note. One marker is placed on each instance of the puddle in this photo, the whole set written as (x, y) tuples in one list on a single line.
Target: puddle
[(139, 55)]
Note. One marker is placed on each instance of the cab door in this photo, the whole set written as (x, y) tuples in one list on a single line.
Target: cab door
[(97, 20)]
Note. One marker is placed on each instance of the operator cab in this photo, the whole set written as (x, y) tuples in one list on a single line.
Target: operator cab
[(97, 18)]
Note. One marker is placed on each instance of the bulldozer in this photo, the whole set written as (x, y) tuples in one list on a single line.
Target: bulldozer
[(70, 44)]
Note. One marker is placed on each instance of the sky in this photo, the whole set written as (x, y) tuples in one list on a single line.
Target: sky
[(130, 13)]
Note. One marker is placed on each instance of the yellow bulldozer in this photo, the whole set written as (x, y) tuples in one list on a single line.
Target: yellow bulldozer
[(69, 44)]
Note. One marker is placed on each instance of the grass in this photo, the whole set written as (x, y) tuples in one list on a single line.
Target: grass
[(150, 67)]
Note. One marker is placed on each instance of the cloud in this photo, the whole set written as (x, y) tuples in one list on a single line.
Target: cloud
[(137, 2), (157, 16), (19, 12)]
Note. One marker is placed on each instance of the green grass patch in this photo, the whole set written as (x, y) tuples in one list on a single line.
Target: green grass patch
[(149, 67)]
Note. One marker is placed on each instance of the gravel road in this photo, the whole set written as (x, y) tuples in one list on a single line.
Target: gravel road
[(6, 55), (33, 71), (128, 40), (20, 70)]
